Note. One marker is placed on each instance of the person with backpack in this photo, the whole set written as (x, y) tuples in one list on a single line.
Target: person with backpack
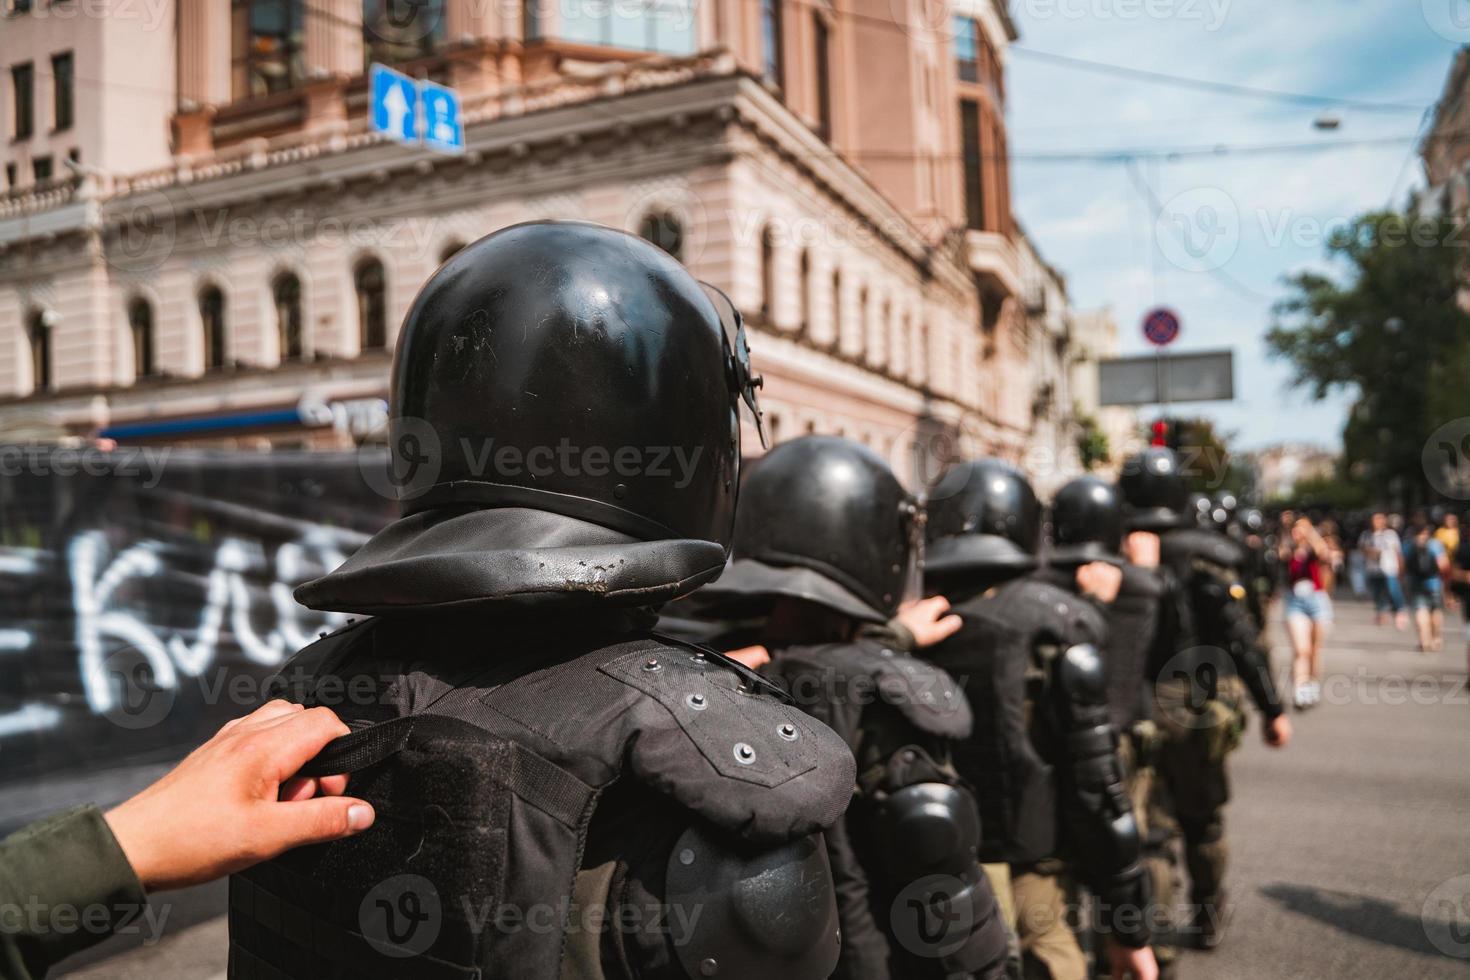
[(1425, 565)]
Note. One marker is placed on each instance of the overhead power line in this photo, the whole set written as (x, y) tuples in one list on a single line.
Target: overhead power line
[(1208, 85)]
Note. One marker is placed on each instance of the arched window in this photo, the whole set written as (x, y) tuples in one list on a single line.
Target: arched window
[(372, 305), (768, 273), (450, 251), (140, 329), (212, 326), (286, 292), (664, 230), (38, 328)]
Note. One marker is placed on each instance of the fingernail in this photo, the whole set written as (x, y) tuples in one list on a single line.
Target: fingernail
[(359, 816)]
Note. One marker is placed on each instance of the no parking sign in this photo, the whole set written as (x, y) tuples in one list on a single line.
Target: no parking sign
[(1161, 326)]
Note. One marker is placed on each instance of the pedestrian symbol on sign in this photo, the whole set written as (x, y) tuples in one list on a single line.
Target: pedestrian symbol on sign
[(443, 129)]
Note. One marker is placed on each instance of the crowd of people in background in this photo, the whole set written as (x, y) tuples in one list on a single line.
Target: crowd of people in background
[(1413, 569)]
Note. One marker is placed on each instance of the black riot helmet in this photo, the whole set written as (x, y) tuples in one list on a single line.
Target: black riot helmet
[(1199, 509), (1223, 510), (563, 427), (1155, 491), (983, 517), (822, 519), (1087, 523)]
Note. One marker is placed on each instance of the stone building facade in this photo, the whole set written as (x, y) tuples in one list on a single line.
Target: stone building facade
[(219, 250)]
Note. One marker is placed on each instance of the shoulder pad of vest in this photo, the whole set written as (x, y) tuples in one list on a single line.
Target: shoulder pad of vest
[(1180, 548), (295, 679), (1047, 613), (739, 757), (925, 693)]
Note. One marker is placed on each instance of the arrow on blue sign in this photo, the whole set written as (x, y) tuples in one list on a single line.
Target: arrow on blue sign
[(395, 104), (443, 128)]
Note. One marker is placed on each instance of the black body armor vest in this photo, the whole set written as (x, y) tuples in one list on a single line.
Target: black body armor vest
[(1010, 635), (912, 899), (527, 803)]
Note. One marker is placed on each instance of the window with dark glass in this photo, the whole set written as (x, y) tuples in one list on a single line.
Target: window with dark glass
[(39, 332), (140, 326), (63, 77), (20, 6), (823, 42), (10, 175), (212, 323), (806, 290), (970, 143), (399, 30), (41, 169), (836, 307), (967, 48), (772, 41), (768, 273), (665, 231), (665, 26), (268, 45), (372, 305), (23, 93), (286, 291)]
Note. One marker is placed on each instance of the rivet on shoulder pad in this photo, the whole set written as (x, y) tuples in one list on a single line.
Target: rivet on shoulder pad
[(744, 754), (686, 856), (652, 664), (709, 967), (699, 659), (886, 652), (696, 701), (788, 732)]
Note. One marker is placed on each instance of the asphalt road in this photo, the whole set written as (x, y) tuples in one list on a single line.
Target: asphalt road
[(1350, 850)]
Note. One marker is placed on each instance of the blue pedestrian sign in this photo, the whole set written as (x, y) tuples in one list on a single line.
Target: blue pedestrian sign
[(395, 104), (443, 129), (1161, 327)]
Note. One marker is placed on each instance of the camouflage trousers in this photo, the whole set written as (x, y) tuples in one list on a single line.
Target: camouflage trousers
[(1189, 787)]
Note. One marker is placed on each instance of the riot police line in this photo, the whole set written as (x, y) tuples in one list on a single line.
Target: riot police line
[(560, 722)]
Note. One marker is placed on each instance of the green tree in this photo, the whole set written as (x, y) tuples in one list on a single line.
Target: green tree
[(1092, 442), (1391, 332)]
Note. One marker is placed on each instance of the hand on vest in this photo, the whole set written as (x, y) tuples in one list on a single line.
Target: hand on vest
[(926, 619), (1277, 732), (233, 801), (1136, 963), (1100, 580), (1141, 548)]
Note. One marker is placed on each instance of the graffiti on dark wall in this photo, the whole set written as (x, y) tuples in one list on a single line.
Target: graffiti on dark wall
[(140, 611)]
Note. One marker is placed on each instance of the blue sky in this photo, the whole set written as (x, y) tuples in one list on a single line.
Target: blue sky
[(1252, 219)]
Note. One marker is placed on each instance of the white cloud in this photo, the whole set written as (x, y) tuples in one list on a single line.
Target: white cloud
[(1095, 225)]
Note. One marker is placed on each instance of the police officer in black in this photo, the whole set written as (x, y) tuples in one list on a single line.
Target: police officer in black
[(1208, 656), (1087, 526), (825, 544), (560, 791), (1043, 756)]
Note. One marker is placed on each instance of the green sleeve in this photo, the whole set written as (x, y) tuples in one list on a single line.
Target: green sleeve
[(65, 885)]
